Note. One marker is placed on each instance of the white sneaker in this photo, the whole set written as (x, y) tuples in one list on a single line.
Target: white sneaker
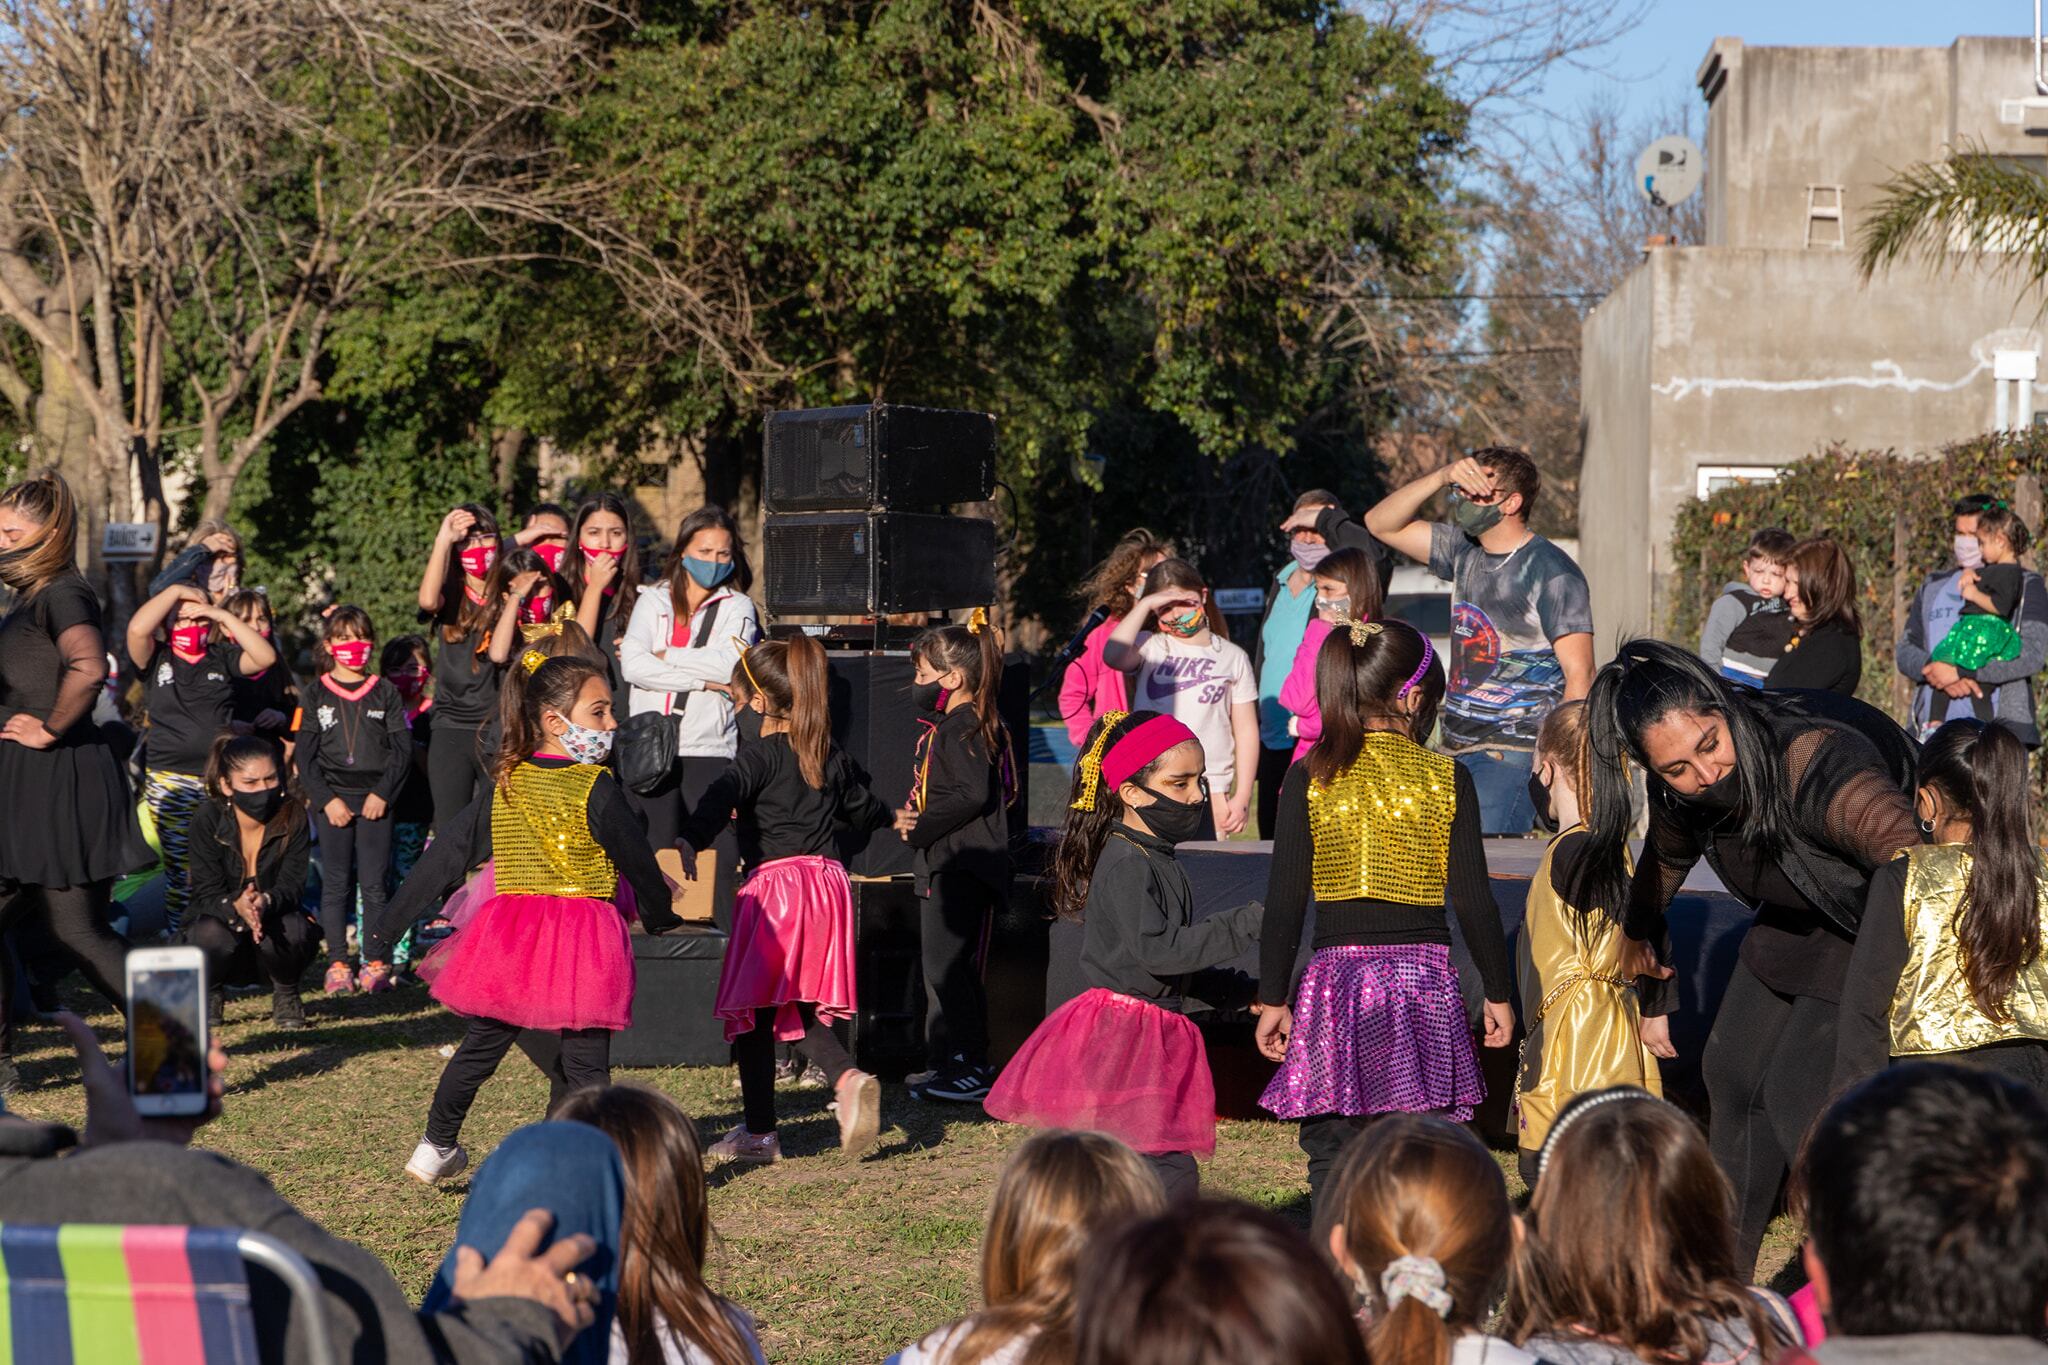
[(430, 1163), (859, 1110)]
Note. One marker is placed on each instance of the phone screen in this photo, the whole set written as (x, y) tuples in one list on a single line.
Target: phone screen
[(164, 1026)]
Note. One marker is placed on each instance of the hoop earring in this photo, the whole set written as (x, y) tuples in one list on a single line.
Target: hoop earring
[(1927, 828)]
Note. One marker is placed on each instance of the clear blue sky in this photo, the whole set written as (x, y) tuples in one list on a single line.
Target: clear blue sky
[(1655, 63)]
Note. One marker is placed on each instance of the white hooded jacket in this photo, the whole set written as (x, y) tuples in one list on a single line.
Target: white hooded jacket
[(670, 679)]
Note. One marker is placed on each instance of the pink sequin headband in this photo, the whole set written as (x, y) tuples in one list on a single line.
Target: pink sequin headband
[(1428, 653)]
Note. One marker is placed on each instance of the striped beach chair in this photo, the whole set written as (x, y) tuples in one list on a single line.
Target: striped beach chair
[(105, 1294)]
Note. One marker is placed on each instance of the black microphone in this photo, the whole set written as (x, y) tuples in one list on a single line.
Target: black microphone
[(1072, 649)]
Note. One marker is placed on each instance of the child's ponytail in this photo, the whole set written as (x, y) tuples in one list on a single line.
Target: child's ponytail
[(1981, 770), (791, 676), (542, 684), (973, 650)]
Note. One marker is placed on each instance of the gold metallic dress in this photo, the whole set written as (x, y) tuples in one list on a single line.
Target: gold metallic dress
[(1581, 1010)]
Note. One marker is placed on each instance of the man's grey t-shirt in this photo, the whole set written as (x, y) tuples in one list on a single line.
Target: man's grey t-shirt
[(1505, 612)]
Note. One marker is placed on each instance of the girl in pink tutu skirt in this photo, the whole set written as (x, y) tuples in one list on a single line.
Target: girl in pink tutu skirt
[(545, 947), (1121, 1058), (788, 970), (1381, 832)]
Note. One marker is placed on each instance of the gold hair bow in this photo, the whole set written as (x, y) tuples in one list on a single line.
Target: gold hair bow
[(977, 621), (1091, 762), (560, 617), (531, 661), (1361, 631)]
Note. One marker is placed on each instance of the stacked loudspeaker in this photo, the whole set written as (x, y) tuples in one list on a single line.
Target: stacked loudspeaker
[(854, 524)]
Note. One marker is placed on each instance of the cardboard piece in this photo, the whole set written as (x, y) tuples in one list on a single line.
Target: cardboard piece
[(693, 902)]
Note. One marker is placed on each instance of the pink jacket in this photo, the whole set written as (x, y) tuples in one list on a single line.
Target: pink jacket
[(1298, 693), (1091, 687)]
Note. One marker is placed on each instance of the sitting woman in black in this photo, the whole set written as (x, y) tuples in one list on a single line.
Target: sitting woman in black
[(248, 848)]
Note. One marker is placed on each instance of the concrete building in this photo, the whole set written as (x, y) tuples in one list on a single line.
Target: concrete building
[(1728, 359)]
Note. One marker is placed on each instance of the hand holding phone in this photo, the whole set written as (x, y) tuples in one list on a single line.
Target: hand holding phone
[(167, 1036)]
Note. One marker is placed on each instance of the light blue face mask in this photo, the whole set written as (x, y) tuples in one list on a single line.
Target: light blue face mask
[(709, 573)]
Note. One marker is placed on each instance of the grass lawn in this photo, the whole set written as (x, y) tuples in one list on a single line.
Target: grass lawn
[(838, 1262)]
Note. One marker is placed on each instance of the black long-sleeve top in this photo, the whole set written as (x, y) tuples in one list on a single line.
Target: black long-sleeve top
[(961, 827), (781, 815), (218, 873), (353, 747), (1139, 934), (1863, 1032), (1342, 923), (274, 689), (467, 844), (465, 681), (1828, 658), (1340, 532)]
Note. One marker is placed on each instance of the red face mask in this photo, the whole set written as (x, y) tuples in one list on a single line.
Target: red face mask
[(534, 609), (477, 560), (410, 682), (614, 556), (191, 639), (551, 555), (351, 654)]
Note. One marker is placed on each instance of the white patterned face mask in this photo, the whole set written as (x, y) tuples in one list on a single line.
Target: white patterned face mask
[(584, 744)]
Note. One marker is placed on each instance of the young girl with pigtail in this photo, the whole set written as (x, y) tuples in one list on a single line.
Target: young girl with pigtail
[(789, 968), (1121, 1057), (546, 949), (962, 846), (1381, 832)]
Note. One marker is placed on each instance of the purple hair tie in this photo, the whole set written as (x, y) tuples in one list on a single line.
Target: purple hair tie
[(1428, 653)]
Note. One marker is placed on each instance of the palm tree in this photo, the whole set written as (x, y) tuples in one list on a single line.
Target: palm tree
[(1971, 208)]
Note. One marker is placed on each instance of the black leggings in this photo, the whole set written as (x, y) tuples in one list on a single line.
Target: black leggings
[(585, 1059), (1324, 1138), (754, 1050), (74, 918), (1767, 1066), (1178, 1174), (233, 958), (455, 772), (359, 851), (953, 922), (1273, 766)]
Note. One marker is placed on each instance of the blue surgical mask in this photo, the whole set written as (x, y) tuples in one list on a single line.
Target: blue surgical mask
[(709, 573)]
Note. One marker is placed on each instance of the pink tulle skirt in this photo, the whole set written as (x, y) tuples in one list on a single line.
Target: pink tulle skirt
[(1118, 1065), (792, 944), (545, 962)]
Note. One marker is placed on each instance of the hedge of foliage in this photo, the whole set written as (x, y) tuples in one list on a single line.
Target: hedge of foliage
[(1859, 497)]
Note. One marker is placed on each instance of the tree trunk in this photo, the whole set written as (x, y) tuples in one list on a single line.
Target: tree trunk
[(506, 445)]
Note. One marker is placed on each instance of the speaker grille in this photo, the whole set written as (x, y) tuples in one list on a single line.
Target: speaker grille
[(875, 456), (868, 564)]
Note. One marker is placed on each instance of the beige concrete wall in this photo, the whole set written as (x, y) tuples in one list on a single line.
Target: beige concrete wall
[(1784, 118), (1614, 422), (1709, 356)]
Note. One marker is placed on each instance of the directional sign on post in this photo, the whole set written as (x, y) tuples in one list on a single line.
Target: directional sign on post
[(128, 540), (1240, 601)]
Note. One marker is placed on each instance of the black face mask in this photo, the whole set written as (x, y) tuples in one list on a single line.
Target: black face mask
[(1721, 797), (1539, 800), (260, 806), (1177, 822), (927, 696)]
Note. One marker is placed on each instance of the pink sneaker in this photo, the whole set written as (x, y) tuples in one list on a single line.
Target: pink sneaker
[(747, 1148), (374, 979), (340, 981), (860, 1113)]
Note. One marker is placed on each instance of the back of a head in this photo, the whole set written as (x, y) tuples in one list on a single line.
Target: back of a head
[(1109, 583), (1059, 1191), (1630, 1233), (1979, 770), (1827, 582), (1372, 671), (1211, 1282), (1999, 519), (1422, 1198), (1925, 1191), (794, 682)]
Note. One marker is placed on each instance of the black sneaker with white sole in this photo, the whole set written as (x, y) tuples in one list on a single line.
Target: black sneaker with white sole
[(959, 1085)]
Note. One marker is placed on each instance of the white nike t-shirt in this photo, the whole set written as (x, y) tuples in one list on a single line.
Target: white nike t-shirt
[(1197, 686)]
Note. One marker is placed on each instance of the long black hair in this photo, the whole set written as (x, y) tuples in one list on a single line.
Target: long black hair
[(1080, 846), (1981, 770), (1645, 682)]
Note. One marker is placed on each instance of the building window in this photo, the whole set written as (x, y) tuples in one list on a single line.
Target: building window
[(1712, 478)]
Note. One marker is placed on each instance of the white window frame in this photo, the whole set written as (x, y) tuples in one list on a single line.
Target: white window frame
[(1706, 474)]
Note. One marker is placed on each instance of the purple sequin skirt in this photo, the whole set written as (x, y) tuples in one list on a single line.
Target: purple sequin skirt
[(1378, 1029)]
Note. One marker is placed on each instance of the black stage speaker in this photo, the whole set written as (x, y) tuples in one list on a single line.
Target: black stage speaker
[(676, 989), (877, 563), (872, 722), (877, 455), (886, 1037)]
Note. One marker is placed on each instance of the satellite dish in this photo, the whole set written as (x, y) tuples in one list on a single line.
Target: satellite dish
[(1670, 170)]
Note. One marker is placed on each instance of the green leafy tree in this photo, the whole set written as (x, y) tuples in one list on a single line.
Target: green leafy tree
[(1972, 209)]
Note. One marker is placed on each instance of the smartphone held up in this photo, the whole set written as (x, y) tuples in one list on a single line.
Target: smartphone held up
[(167, 1042)]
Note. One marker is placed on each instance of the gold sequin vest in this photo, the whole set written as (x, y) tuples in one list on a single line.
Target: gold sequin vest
[(541, 843), (1382, 828), (1932, 1011)]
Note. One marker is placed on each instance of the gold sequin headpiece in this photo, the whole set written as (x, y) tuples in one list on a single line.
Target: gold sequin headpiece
[(977, 621), (531, 661), (1091, 762), (1361, 631), (540, 630)]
